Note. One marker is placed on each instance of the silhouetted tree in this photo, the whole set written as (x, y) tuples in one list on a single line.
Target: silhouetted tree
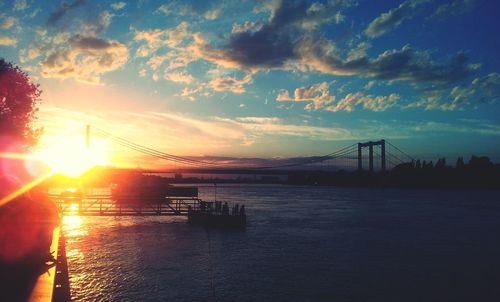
[(481, 162), (441, 163), (418, 165), (460, 163), (19, 98), (429, 165)]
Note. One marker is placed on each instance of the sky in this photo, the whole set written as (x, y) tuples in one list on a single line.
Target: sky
[(264, 78)]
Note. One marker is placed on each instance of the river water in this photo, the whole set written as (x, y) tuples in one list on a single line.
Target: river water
[(301, 244)]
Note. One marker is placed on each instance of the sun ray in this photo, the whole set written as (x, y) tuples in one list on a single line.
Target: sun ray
[(24, 189)]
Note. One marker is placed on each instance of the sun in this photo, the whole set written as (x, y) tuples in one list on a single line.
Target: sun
[(71, 157)]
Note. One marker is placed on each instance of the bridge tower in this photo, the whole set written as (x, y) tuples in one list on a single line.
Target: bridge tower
[(87, 136), (370, 145)]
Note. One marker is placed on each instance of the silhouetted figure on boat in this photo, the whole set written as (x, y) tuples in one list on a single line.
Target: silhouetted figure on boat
[(242, 210)]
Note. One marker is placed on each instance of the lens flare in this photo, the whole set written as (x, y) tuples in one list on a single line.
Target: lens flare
[(69, 155)]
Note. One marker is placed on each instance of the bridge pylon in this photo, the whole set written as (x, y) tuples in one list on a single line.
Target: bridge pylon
[(370, 145)]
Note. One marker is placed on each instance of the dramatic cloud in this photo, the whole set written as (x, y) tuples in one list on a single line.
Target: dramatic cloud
[(455, 7), (7, 41), (393, 18), (404, 64), (118, 5), (288, 41), (272, 44), (85, 59), (7, 22), (230, 84)]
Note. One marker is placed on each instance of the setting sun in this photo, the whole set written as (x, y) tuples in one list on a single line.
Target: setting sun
[(69, 155)]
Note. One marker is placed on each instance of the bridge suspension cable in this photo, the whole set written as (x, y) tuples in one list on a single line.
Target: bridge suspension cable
[(316, 159), (189, 161), (344, 155), (152, 152), (401, 151)]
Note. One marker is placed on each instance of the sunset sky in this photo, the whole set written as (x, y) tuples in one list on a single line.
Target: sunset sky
[(264, 78)]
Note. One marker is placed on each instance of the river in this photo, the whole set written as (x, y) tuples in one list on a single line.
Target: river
[(301, 244)]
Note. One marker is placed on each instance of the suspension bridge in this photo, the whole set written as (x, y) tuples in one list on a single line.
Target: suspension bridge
[(139, 199), (372, 156)]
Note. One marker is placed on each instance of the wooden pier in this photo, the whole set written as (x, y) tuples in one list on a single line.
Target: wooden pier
[(106, 205)]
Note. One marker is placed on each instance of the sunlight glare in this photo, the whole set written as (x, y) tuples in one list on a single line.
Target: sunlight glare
[(69, 155)]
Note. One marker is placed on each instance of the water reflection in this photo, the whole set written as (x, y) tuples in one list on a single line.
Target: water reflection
[(73, 226), (338, 244)]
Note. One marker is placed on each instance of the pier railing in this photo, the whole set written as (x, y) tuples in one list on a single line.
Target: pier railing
[(106, 205)]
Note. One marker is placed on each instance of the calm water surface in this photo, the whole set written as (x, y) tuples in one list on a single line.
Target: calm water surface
[(301, 244)]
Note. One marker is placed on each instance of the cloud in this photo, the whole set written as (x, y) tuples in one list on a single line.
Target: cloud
[(178, 77), (377, 103), (259, 126), (7, 41), (455, 7), (20, 5), (34, 13), (213, 13), (393, 18), (118, 5), (246, 27), (175, 8), (65, 8), (272, 45), (157, 38), (259, 120), (8, 22), (86, 59), (405, 64), (484, 89), (230, 84), (26, 55), (288, 41), (319, 98), (189, 93), (317, 95), (178, 8)]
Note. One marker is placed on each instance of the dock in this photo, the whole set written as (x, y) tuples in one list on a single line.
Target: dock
[(53, 285), (107, 205)]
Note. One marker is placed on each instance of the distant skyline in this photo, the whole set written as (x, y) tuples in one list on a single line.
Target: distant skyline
[(264, 78)]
